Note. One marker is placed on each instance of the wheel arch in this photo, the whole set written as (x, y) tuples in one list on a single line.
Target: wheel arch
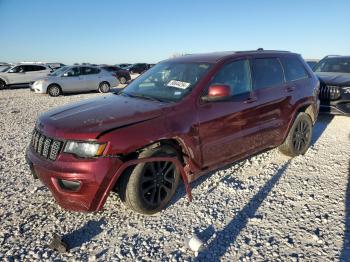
[(4, 80), (173, 142), (307, 108)]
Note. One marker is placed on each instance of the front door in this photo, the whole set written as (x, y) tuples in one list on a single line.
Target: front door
[(228, 129)]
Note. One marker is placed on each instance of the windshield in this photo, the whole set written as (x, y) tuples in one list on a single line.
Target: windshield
[(336, 65), (167, 81), (4, 68), (59, 71)]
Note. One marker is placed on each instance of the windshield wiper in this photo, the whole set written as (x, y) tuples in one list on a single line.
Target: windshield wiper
[(143, 97)]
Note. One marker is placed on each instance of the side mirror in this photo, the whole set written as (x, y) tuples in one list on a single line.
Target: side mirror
[(68, 74), (217, 93)]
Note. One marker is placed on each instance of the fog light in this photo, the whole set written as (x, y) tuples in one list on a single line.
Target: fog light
[(69, 185)]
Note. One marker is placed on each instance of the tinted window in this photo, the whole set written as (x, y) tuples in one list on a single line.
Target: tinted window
[(37, 68), (90, 70), (267, 72), (293, 68), (337, 65), (236, 75)]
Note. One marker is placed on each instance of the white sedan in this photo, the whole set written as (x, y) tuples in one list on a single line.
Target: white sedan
[(74, 79)]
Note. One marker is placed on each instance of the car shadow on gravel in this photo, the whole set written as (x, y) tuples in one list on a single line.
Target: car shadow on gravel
[(345, 252), (323, 121), (84, 234), (228, 235)]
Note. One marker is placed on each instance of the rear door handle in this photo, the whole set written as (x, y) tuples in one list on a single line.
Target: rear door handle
[(250, 100), (290, 88)]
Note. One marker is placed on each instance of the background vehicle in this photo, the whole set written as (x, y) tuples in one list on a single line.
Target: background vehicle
[(73, 79), (124, 66), (122, 74), (138, 68), (311, 62), (183, 117), (334, 75), (23, 74), (55, 66)]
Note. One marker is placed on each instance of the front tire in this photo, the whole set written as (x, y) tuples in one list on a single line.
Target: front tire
[(149, 187), (299, 137), (54, 90), (104, 87), (2, 84)]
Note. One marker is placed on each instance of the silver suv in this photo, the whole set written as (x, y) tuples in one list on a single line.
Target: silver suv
[(23, 74), (74, 79)]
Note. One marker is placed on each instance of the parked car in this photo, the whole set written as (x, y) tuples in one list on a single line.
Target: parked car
[(122, 74), (182, 118), (311, 62), (334, 75), (124, 66), (23, 74), (138, 68), (74, 79)]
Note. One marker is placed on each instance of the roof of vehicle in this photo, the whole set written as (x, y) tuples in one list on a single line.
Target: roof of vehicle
[(336, 56), (217, 56)]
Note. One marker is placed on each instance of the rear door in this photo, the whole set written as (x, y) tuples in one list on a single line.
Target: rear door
[(273, 96), (227, 129), (35, 72)]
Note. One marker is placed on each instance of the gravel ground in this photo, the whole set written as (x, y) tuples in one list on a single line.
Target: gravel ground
[(266, 208)]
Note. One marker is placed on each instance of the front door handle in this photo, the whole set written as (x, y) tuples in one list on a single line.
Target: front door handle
[(290, 88), (250, 100)]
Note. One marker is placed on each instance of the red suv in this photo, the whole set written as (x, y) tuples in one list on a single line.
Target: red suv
[(182, 118)]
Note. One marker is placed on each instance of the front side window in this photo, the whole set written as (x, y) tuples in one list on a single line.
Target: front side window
[(75, 71), (236, 75), (168, 81), (267, 72), (17, 69), (333, 65), (293, 68)]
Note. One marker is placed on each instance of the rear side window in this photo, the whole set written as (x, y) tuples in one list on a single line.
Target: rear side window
[(236, 75), (267, 72), (90, 70), (293, 68)]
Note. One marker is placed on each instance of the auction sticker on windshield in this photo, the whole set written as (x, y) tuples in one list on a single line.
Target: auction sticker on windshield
[(178, 84)]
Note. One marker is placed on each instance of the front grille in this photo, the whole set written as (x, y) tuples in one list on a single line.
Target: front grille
[(46, 146), (329, 92)]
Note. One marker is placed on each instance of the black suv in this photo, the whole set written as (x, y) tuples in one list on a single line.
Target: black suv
[(334, 75), (138, 68)]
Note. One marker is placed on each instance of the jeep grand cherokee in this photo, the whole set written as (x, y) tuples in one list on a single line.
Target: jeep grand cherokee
[(182, 118)]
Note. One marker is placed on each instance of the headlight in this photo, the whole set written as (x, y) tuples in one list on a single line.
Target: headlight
[(84, 149)]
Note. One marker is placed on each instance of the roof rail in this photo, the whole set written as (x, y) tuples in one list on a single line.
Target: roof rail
[(327, 56)]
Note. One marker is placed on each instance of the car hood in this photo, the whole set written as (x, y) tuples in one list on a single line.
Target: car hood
[(338, 79), (89, 118)]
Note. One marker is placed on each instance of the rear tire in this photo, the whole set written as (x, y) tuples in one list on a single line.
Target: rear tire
[(299, 137), (54, 90), (147, 188), (104, 87), (2, 84), (122, 80)]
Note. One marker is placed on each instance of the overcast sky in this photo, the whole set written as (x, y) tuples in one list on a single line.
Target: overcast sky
[(149, 31)]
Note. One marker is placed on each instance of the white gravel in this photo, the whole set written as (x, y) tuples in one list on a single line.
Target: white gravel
[(267, 208)]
